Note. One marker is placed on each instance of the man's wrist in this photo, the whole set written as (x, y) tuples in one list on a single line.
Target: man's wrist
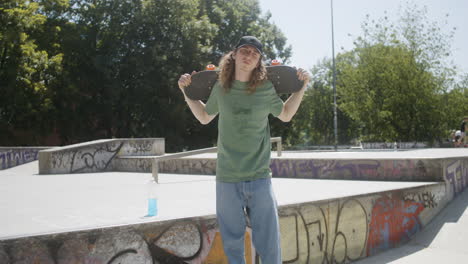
[(187, 99), (302, 90)]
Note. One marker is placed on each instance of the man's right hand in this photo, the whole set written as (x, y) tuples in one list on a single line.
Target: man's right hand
[(196, 106), (184, 81)]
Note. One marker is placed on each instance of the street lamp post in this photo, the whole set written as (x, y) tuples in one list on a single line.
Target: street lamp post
[(335, 117)]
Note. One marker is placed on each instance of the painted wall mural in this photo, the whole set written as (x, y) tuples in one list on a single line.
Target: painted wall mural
[(335, 231)]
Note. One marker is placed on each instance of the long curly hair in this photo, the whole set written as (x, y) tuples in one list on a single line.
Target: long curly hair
[(227, 73)]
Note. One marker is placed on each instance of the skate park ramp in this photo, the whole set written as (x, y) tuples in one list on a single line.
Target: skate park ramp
[(333, 207)]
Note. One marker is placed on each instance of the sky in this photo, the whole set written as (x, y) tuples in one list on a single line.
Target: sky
[(307, 24)]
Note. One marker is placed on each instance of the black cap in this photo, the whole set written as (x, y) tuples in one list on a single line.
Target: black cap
[(252, 41)]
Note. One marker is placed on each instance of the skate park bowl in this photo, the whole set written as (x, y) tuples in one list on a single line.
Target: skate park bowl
[(86, 203)]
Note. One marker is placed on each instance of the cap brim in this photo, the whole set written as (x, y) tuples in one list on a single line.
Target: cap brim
[(243, 45)]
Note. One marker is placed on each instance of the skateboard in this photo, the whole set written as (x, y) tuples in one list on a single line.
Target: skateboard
[(284, 79)]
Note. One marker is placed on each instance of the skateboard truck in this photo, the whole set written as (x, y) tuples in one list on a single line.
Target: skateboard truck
[(275, 63), (210, 67)]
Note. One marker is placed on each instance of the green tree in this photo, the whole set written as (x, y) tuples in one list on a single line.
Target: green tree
[(26, 68), (456, 104), (392, 81), (109, 68), (235, 19), (313, 123), (383, 88)]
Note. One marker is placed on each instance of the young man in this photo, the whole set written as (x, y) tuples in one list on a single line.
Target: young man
[(244, 98)]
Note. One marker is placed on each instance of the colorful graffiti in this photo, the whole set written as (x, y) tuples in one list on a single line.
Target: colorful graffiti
[(183, 242), (334, 231), (327, 233), (393, 221)]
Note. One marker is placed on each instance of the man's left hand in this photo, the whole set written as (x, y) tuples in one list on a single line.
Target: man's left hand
[(303, 75)]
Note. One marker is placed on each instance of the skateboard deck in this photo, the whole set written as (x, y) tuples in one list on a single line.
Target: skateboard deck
[(284, 79)]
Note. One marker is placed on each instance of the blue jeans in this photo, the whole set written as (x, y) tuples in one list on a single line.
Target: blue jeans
[(258, 199)]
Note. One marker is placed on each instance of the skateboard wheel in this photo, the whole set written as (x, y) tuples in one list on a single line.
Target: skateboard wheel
[(275, 63), (210, 67)]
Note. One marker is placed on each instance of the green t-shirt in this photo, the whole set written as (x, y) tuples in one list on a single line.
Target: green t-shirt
[(243, 130)]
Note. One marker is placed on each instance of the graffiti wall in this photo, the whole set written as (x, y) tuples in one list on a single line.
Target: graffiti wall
[(352, 228), (132, 165), (177, 166), (335, 231), (456, 175), (14, 156), (392, 145), (393, 170), (96, 155), (189, 166)]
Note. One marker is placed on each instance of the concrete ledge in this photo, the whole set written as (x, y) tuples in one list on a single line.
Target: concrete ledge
[(418, 165), (359, 169), (391, 145), (315, 228), (95, 156)]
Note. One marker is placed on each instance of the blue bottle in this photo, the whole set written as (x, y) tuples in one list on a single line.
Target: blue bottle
[(152, 198)]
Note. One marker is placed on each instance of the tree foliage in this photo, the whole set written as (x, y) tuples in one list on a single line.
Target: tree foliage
[(88, 69), (455, 104), (313, 124), (78, 70), (393, 82), (396, 84), (394, 99), (26, 66)]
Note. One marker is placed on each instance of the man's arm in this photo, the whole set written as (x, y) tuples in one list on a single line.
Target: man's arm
[(291, 106), (196, 106), (294, 101), (198, 110)]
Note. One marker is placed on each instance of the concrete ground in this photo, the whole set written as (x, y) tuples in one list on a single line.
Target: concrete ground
[(444, 240), (33, 204)]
